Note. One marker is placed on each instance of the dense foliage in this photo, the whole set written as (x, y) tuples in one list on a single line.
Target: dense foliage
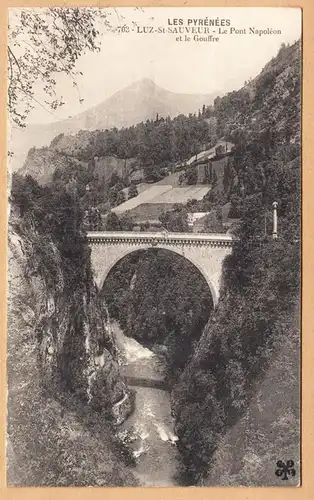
[(155, 143), (54, 213), (155, 147), (176, 219)]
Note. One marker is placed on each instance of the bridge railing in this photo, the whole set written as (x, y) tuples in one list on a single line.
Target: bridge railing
[(164, 236)]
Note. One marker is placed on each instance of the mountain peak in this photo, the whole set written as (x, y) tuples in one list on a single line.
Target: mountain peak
[(143, 84), (147, 81)]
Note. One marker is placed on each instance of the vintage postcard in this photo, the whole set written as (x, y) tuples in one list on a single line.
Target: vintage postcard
[(154, 247)]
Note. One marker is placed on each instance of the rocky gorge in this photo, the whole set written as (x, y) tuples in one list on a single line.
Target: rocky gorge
[(233, 409)]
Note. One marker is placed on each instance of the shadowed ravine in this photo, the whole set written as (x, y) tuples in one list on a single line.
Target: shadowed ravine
[(150, 427)]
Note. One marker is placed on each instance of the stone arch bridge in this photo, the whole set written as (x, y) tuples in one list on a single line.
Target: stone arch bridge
[(205, 251)]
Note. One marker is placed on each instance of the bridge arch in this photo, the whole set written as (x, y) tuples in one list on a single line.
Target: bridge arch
[(101, 281), (205, 251)]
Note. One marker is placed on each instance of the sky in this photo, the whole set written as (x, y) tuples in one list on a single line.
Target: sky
[(182, 67)]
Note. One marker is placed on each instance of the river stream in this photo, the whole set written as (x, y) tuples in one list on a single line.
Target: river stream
[(149, 429)]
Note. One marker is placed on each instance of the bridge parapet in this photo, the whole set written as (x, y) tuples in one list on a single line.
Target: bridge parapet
[(164, 238)]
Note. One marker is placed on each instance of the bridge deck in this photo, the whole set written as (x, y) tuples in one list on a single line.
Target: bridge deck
[(146, 382)]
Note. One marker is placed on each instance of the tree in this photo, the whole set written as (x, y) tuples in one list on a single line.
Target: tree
[(235, 207), (114, 179), (181, 179), (213, 222), (144, 226), (116, 195), (93, 219), (126, 222), (151, 172), (208, 172), (192, 205), (120, 198), (24, 192), (132, 192), (191, 175), (228, 176), (112, 222), (215, 178), (175, 220), (42, 43)]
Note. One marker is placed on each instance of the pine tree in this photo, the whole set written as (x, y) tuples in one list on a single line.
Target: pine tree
[(215, 178), (112, 222), (120, 198), (192, 175)]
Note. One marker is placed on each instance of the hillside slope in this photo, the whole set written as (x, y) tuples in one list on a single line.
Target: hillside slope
[(233, 406), (272, 99)]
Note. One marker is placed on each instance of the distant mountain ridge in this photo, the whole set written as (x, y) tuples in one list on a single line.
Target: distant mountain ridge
[(267, 104), (138, 102)]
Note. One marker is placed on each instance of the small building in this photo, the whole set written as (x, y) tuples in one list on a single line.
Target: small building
[(220, 150)]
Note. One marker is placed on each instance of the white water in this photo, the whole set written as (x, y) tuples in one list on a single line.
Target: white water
[(149, 429), (129, 349)]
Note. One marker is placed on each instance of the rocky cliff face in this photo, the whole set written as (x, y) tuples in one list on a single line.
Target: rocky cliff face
[(43, 162), (74, 153), (64, 385)]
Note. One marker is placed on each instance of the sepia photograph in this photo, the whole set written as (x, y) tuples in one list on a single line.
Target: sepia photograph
[(154, 246)]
